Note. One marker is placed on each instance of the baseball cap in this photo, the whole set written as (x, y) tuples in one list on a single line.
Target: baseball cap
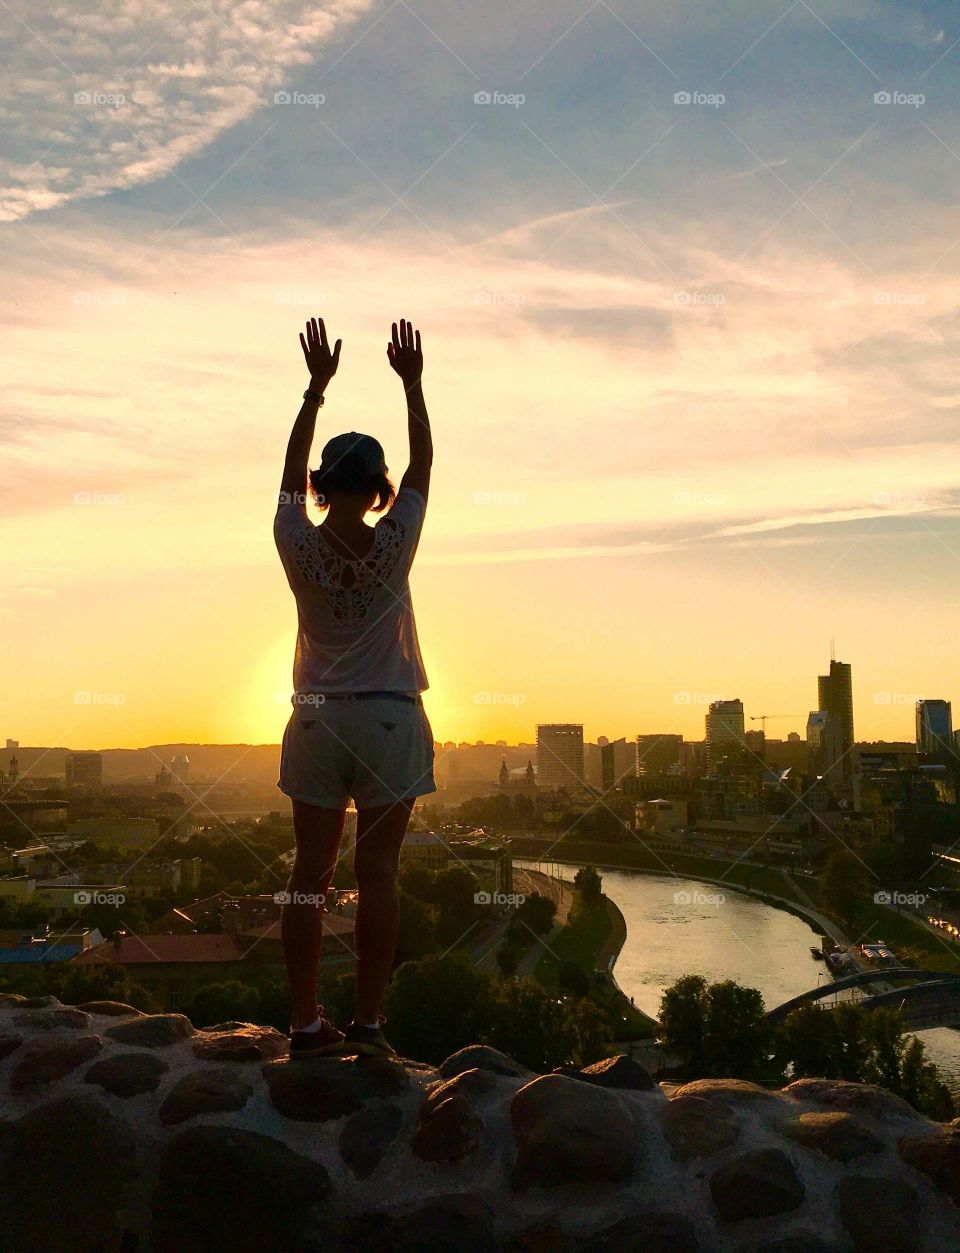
[(366, 447)]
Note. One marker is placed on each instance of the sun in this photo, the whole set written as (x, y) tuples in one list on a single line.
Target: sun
[(265, 703)]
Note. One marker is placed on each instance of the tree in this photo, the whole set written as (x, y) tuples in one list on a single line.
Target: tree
[(508, 958), (682, 1023), (717, 1029), (588, 883), (536, 912), (437, 1006), (224, 1002), (571, 978), (842, 885)]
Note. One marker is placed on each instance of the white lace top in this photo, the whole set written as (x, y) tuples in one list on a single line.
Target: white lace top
[(356, 629)]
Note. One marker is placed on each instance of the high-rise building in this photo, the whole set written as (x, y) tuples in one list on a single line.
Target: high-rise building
[(934, 728), (84, 769), (824, 746), (618, 761), (658, 754), (724, 728), (835, 696), (560, 755)]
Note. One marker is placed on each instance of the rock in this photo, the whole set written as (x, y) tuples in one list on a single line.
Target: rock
[(367, 1135), (880, 1213), (863, 1098), (452, 1224), (11, 998), (570, 1132), (110, 1009), (646, 1233), (469, 1083), (730, 1090), (50, 1018), (449, 1130), (756, 1184), (937, 1156), (695, 1127), (834, 1134), (205, 1091), (240, 1042), (45, 1063), (152, 1031), (127, 1074), (612, 1072), (482, 1057), (799, 1242), (220, 1188), (69, 1178), (323, 1088), (33, 1002), (9, 1044), (543, 1238)]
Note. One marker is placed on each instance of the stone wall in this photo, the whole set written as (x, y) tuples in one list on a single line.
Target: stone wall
[(124, 1132)]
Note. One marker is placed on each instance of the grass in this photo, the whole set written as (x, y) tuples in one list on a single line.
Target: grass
[(590, 929)]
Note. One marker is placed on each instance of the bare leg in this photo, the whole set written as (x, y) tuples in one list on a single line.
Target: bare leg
[(318, 833), (380, 833)]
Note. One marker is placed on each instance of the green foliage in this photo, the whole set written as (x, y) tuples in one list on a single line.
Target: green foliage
[(223, 1002), (573, 979), (717, 1029), (508, 958), (589, 884), (865, 1046), (843, 884)]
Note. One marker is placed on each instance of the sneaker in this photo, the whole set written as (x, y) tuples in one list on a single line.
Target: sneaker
[(326, 1039), (367, 1041)]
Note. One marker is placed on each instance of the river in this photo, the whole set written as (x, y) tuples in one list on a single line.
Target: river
[(681, 926)]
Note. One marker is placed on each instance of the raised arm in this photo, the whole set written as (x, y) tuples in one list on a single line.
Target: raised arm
[(406, 357), (322, 365)]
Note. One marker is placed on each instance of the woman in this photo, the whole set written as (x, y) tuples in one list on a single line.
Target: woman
[(358, 729)]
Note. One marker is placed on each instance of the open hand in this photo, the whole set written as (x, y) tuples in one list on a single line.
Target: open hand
[(321, 362), (405, 355)]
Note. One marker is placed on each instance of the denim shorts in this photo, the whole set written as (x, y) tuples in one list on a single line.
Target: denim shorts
[(375, 752)]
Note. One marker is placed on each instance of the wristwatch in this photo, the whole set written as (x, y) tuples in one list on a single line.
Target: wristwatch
[(309, 395)]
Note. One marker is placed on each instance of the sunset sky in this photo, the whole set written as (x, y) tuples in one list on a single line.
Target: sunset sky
[(687, 290)]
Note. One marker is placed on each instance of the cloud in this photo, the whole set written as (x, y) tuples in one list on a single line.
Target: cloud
[(119, 97)]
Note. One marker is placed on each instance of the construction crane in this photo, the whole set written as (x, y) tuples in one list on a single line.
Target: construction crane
[(763, 718)]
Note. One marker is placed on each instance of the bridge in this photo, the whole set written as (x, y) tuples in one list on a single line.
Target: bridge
[(932, 1001)]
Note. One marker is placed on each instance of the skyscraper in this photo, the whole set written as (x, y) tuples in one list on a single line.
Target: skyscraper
[(724, 726), (658, 754), (835, 697), (560, 755), (934, 728), (824, 746)]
